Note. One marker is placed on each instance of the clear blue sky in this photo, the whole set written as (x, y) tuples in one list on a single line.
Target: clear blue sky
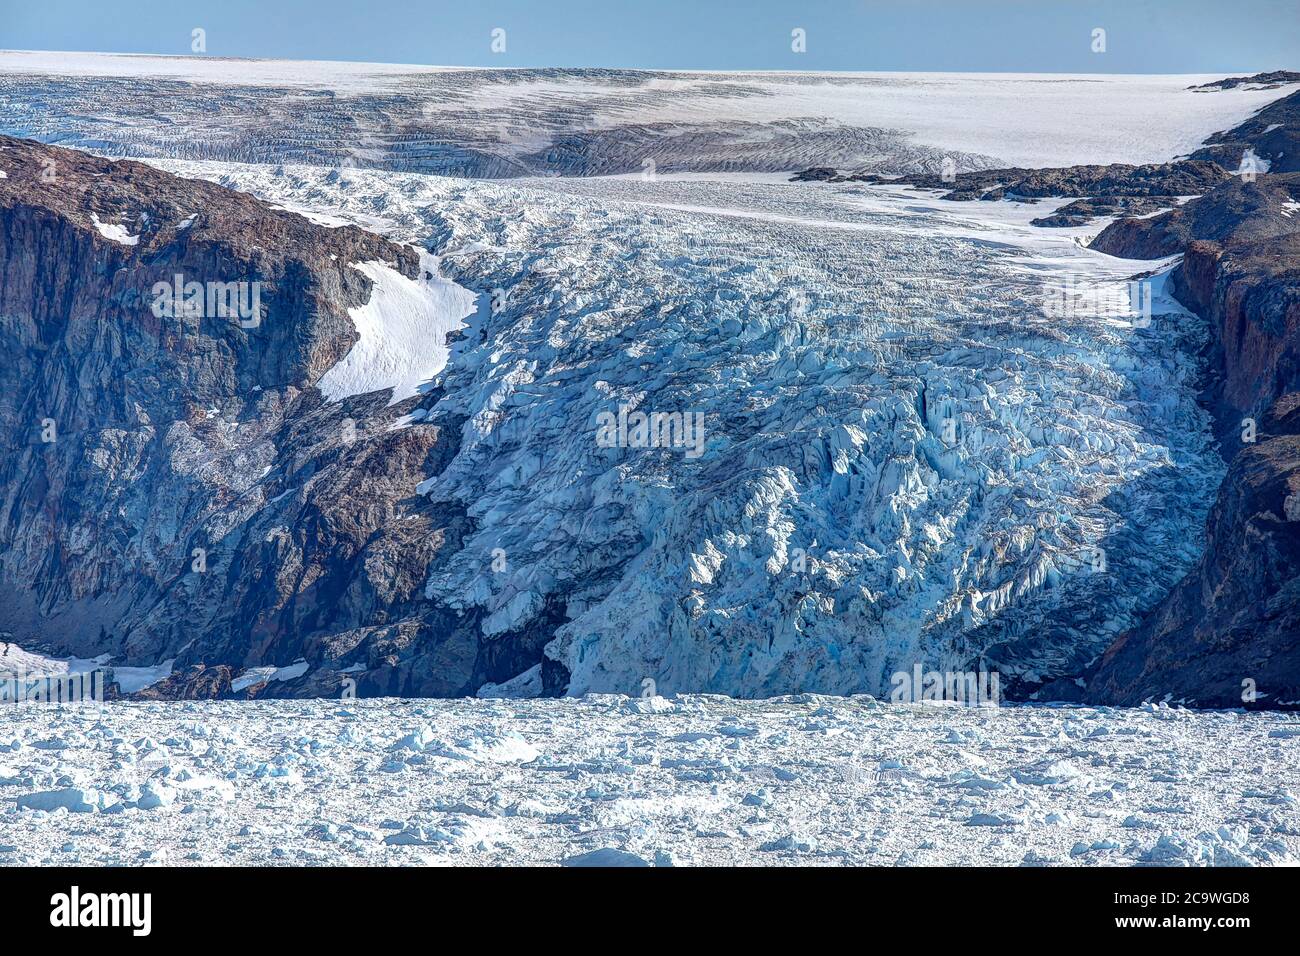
[(1142, 36)]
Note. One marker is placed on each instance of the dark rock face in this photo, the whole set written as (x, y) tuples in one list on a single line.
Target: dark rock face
[(1273, 134), (1165, 180), (1083, 211), (178, 487), (1264, 81), (1186, 178), (818, 174), (1240, 211), (1231, 629), (192, 683), (1102, 190)]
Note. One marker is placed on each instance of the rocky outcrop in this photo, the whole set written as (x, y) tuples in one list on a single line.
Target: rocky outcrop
[(1083, 211), (1240, 211), (1267, 142), (1269, 80), (1229, 633), (1100, 190), (1117, 179), (195, 682), (177, 487)]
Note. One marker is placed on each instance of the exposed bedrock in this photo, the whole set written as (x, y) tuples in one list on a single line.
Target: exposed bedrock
[(177, 487), (1229, 633), (1267, 142), (1271, 137)]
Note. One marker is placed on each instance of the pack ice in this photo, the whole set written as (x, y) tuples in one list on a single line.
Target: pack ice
[(617, 781)]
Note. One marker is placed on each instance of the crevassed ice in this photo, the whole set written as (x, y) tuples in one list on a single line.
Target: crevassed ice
[(906, 458)]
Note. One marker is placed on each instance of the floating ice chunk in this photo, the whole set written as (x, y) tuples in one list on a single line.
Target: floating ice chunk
[(72, 799), (532, 808), (647, 705), (224, 789), (737, 730), (155, 795), (1080, 848), (969, 781), (993, 820), (456, 831), (793, 843), (522, 686), (1034, 858), (1050, 773), (418, 741), (497, 748)]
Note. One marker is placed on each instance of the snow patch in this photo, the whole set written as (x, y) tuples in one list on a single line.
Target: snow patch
[(114, 233), (403, 331), (263, 675)]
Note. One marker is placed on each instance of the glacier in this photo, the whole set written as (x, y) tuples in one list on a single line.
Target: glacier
[(909, 455), (932, 433)]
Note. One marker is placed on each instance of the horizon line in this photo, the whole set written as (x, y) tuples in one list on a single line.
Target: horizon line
[(431, 66)]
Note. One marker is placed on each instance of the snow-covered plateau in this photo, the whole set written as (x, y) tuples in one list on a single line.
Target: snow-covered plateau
[(610, 780), (513, 122)]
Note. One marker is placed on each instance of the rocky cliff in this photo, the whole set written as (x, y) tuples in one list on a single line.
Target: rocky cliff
[(1229, 633), (175, 484)]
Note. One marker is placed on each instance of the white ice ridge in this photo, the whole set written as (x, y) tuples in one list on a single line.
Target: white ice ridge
[(403, 330), (258, 675), (115, 233)]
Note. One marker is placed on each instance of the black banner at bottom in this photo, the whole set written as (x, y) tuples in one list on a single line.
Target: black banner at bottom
[(337, 906)]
